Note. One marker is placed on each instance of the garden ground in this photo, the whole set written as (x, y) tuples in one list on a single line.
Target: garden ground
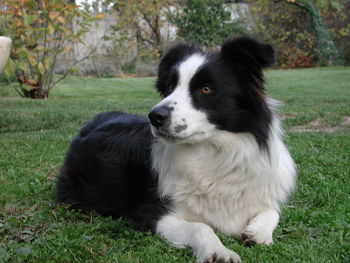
[(35, 135)]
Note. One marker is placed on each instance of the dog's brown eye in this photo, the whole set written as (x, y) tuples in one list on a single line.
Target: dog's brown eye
[(171, 87), (207, 90)]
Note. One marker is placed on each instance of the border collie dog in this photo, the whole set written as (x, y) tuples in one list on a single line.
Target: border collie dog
[(210, 155)]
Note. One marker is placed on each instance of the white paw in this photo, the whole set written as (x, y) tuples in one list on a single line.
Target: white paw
[(219, 255), (251, 238)]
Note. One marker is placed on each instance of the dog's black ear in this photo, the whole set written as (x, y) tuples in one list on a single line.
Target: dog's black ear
[(170, 59), (248, 51)]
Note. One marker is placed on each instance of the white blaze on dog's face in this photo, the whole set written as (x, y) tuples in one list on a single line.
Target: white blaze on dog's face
[(209, 91), (185, 123)]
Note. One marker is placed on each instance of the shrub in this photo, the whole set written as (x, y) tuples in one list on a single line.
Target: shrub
[(293, 57), (206, 21), (40, 31)]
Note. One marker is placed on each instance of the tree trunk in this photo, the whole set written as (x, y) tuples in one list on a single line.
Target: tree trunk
[(37, 93), (327, 51), (30, 88)]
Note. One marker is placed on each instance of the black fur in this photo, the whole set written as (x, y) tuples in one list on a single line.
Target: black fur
[(108, 165), (108, 169)]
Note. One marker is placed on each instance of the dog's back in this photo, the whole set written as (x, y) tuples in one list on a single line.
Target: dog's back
[(107, 169)]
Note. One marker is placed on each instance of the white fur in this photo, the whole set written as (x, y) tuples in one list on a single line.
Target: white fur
[(218, 179), (226, 180), (200, 237)]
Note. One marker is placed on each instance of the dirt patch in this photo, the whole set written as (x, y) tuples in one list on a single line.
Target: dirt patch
[(304, 129), (345, 121), (289, 116), (319, 126), (51, 175)]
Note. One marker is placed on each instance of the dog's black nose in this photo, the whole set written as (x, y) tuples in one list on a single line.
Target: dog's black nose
[(159, 115)]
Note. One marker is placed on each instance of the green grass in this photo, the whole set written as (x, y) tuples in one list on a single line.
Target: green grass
[(35, 134)]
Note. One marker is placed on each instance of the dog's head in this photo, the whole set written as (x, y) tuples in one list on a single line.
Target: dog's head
[(208, 91)]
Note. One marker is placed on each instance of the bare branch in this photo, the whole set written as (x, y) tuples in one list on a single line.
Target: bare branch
[(74, 64), (139, 36), (59, 45), (149, 22)]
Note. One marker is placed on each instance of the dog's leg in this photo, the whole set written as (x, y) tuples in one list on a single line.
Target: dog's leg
[(260, 228), (200, 237)]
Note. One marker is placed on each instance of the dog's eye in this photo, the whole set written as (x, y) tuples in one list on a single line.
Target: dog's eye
[(207, 90), (171, 88)]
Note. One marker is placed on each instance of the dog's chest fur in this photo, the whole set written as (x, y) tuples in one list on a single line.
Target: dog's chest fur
[(223, 182)]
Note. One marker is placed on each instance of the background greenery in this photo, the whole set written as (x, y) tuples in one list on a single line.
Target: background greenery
[(35, 135), (128, 36), (210, 29)]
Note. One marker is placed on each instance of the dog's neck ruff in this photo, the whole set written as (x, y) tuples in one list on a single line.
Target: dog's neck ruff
[(216, 177)]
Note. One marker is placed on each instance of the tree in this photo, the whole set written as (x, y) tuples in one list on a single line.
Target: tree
[(290, 29), (41, 31), (206, 21), (287, 29), (327, 51), (143, 21)]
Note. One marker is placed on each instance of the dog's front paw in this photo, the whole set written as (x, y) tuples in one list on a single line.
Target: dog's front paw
[(251, 238), (221, 255)]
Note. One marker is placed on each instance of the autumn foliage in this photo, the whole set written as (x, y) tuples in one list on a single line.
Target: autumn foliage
[(305, 33), (40, 30)]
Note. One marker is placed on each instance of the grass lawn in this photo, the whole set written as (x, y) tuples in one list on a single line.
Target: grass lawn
[(35, 134)]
